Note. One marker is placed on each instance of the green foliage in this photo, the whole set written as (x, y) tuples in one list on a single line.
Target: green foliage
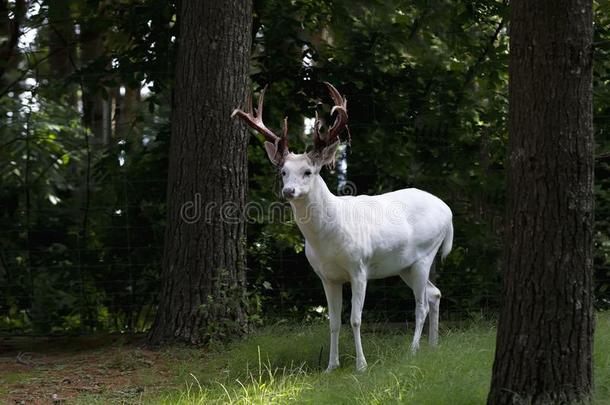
[(426, 84), (44, 147), (426, 88), (82, 226)]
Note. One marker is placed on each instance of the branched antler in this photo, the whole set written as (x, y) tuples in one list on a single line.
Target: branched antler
[(255, 121), (277, 147), (323, 139)]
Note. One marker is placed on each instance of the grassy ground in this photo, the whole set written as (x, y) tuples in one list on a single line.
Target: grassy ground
[(279, 364)]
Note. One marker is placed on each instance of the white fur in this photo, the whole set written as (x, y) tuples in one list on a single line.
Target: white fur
[(355, 239)]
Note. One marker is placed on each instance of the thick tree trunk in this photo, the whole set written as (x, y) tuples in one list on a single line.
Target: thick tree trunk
[(203, 282), (545, 335)]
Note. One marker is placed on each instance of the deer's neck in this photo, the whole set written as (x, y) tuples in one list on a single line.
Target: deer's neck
[(316, 213)]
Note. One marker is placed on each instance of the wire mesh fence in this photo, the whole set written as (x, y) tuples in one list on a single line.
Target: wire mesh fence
[(104, 275), (67, 279), (88, 257)]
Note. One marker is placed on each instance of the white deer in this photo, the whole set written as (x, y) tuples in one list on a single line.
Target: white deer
[(358, 238)]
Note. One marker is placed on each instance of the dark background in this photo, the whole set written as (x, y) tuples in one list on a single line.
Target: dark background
[(85, 94)]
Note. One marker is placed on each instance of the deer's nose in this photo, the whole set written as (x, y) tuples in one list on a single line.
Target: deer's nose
[(288, 192)]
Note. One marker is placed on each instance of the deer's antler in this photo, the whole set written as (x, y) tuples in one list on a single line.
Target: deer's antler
[(322, 140), (255, 121)]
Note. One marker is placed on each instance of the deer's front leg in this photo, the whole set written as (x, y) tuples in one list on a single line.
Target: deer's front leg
[(358, 293), (334, 297)]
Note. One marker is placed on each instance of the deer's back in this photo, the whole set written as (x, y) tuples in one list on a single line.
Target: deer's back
[(384, 234)]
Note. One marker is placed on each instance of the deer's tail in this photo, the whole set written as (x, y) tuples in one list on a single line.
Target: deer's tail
[(448, 241)]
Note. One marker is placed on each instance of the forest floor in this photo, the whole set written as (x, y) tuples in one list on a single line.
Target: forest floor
[(278, 364)]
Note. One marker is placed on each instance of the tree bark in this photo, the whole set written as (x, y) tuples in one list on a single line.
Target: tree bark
[(126, 113), (203, 280), (10, 28), (545, 333), (62, 45), (61, 39), (96, 105)]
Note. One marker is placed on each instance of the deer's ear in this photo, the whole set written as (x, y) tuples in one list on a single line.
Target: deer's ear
[(272, 153), (326, 156)]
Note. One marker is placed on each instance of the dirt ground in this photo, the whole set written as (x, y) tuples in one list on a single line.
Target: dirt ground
[(59, 370)]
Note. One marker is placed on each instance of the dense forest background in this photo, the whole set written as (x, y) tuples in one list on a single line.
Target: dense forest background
[(85, 101)]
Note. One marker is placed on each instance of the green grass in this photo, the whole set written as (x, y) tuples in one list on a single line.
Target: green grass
[(284, 364), (279, 364), (601, 359)]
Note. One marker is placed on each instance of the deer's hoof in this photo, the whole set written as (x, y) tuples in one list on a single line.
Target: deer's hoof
[(330, 368), (361, 366), (414, 348)]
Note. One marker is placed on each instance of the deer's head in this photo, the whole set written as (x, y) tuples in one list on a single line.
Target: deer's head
[(298, 171)]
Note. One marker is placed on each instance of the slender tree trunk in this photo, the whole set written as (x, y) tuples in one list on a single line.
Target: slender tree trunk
[(545, 334), (203, 281), (96, 107), (10, 31), (61, 38), (125, 115), (62, 45)]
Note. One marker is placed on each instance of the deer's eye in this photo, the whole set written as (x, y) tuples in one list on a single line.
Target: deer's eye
[(307, 173), (283, 173)]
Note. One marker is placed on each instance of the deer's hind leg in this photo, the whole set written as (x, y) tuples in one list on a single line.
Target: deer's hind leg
[(434, 303), (427, 299)]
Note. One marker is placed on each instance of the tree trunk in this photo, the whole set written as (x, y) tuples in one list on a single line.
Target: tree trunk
[(125, 113), (62, 42), (96, 105), (545, 334), (61, 39), (10, 31), (203, 281)]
